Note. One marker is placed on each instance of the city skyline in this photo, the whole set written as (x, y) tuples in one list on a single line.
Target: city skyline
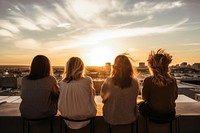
[(97, 31)]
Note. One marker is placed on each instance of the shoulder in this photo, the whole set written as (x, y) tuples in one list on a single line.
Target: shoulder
[(173, 78), (108, 80), (135, 81), (24, 79), (148, 79), (88, 78), (50, 79)]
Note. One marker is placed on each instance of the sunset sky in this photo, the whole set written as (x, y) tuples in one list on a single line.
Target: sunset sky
[(98, 30)]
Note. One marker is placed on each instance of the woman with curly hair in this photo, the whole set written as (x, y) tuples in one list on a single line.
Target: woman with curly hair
[(160, 89)]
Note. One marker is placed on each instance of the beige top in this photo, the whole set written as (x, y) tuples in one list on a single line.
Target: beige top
[(39, 97), (76, 101), (120, 105)]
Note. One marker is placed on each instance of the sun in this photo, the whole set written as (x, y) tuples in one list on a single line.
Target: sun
[(98, 56)]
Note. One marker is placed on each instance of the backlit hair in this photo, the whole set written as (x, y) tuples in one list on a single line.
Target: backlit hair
[(40, 68), (122, 73), (158, 63), (74, 69)]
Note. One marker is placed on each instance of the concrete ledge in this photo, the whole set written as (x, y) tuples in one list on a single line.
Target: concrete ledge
[(14, 124), (188, 112)]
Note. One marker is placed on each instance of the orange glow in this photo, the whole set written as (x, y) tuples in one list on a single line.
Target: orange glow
[(99, 56)]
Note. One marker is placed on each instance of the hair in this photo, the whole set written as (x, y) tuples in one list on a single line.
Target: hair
[(74, 69), (158, 63), (40, 68), (122, 73)]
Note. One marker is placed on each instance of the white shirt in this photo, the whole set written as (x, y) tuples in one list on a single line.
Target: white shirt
[(76, 101)]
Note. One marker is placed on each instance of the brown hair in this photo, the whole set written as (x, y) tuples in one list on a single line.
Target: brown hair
[(40, 68), (122, 73), (159, 66)]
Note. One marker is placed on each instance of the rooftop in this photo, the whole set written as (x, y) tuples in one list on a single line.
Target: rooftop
[(187, 110)]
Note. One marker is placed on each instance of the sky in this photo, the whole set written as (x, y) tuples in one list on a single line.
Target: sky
[(98, 30)]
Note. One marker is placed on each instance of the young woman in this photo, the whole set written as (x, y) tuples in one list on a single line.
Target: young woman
[(160, 89), (39, 90), (77, 94), (119, 93)]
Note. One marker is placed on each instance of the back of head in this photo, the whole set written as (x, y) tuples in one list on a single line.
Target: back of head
[(122, 73), (74, 69), (40, 67), (159, 66)]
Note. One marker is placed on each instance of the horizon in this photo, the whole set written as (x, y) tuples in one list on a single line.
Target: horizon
[(98, 31)]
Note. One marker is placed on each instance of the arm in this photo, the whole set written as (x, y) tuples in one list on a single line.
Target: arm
[(56, 90), (92, 94), (93, 91), (176, 90), (145, 91), (105, 91)]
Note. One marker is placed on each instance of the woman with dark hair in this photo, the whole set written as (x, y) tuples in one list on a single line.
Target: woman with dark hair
[(39, 90), (77, 94), (119, 93), (160, 89)]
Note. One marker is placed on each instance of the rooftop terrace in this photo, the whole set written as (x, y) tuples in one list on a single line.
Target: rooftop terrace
[(187, 111)]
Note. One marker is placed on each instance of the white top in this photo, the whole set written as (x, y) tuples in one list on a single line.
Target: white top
[(76, 101)]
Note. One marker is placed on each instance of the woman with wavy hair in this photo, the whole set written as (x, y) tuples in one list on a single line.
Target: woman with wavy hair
[(160, 89), (119, 93), (77, 94)]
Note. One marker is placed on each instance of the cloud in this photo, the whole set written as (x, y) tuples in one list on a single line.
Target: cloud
[(145, 8), (88, 9), (5, 24), (130, 32), (30, 44), (5, 33), (119, 31), (191, 44)]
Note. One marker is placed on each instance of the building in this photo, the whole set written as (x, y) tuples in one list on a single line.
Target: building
[(183, 64), (196, 66), (8, 82), (142, 65)]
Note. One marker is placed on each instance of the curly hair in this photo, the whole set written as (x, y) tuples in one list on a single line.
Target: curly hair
[(158, 63)]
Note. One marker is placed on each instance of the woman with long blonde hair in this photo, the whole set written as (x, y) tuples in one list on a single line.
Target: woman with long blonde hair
[(76, 100), (160, 89)]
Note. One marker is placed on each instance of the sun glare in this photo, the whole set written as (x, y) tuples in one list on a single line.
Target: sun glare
[(99, 56)]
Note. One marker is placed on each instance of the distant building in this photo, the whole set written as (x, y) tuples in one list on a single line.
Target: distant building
[(196, 66), (142, 68), (183, 64), (142, 65), (19, 82), (8, 82), (108, 68)]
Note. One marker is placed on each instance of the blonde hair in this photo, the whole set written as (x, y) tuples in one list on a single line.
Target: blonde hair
[(74, 69), (158, 63)]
